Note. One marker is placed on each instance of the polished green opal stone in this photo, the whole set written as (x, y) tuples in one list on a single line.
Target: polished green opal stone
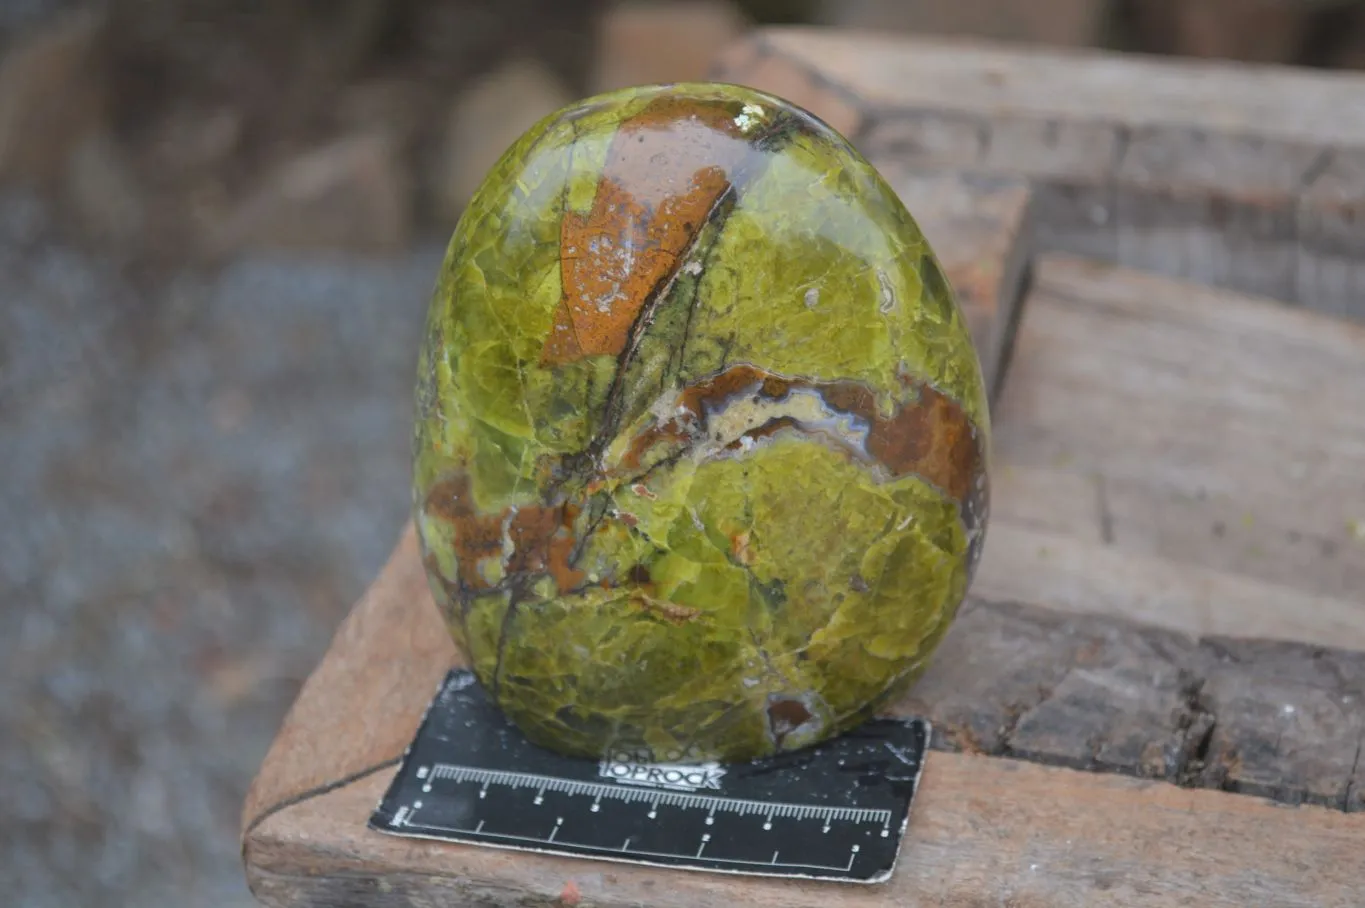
[(702, 442)]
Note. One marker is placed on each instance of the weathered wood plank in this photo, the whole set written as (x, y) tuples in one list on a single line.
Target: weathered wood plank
[(1276, 710), (1242, 176), (1246, 115), (1181, 455), (984, 829), (984, 832), (1069, 573), (1282, 720)]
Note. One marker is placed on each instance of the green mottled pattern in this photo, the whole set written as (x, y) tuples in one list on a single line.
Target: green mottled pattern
[(791, 572)]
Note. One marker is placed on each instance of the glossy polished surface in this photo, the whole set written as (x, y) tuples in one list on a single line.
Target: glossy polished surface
[(701, 448)]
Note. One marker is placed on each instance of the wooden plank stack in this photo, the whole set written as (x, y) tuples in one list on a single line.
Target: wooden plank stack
[(1156, 693)]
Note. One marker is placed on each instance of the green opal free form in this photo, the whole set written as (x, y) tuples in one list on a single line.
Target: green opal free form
[(702, 442)]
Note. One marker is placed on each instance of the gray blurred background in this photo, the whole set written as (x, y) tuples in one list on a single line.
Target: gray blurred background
[(219, 226)]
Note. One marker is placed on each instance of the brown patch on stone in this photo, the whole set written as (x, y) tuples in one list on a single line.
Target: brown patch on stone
[(929, 436), (739, 547), (450, 498), (693, 400), (667, 168), (542, 537), (767, 430), (786, 715)]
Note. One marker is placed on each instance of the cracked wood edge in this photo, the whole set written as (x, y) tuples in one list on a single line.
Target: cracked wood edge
[(1272, 718), (983, 828), (1250, 177)]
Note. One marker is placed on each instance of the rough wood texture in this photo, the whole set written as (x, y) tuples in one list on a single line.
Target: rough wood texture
[(1181, 455), (985, 830), (1247, 177), (1281, 720)]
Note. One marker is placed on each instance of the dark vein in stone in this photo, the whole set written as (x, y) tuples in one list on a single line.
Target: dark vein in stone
[(517, 595), (613, 410), (604, 503), (696, 290)]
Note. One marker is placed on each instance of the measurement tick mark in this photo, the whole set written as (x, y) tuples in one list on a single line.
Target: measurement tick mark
[(852, 856)]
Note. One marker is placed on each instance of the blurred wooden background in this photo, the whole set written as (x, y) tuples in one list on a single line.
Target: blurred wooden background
[(202, 129)]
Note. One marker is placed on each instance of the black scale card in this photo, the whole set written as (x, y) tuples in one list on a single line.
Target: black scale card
[(837, 811)]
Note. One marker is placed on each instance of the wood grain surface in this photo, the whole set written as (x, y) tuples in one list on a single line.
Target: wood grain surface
[(1282, 720), (1241, 176), (985, 830), (1181, 455)]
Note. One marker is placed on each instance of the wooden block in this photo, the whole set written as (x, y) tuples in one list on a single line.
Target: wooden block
[(1329, 217), (1181, 455), (651, 42), (1275, 108), (1077, 574), (1064, 22), (985, 830), (1270, 31), (1281, 720), (1215, 172)]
